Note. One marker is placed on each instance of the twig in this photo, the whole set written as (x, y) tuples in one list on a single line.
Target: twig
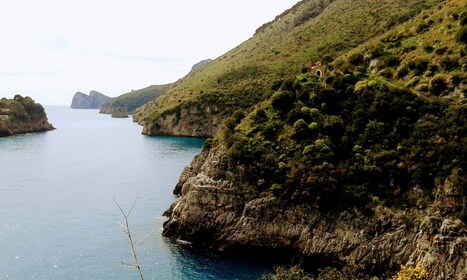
[(126, 230)]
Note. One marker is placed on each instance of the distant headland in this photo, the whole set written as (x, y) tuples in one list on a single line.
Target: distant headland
[(94, 100)]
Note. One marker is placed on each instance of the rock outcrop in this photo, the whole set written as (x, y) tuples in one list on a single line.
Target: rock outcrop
[(199, 65), (190, 121), (22, 115), (213, 212), (94, 100), (120, 113)]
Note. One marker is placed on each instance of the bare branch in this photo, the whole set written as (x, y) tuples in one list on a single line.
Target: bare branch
[(126, 230)]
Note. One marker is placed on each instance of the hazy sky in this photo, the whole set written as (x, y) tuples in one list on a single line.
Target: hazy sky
[(50, 49)]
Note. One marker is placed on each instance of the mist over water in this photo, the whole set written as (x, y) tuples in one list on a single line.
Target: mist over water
[(58, 219)]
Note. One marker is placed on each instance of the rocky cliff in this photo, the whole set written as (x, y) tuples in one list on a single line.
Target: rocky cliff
[(22, 115), (94, 100), (185, 121), (211, 212)]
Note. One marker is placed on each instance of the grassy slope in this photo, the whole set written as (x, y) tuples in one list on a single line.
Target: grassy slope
[(364, 137), (310, 31), (134, 99), (417, 53)]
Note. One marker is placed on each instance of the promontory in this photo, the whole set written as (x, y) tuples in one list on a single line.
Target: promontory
[(94, 100), (22, 115)]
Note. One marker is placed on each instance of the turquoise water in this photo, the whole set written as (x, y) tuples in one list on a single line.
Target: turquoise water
[(58, 219)]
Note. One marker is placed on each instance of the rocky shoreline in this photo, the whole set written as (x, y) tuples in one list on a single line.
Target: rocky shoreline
[(210, 213)]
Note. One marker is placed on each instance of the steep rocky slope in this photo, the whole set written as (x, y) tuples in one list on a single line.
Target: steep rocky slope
[(212, 213), (311, 31), (94, 100), (360, 168), (22, 115)]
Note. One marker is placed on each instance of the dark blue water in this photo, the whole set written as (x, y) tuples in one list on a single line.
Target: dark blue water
[(58, 219)]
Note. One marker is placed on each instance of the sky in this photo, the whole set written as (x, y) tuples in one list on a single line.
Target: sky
[(50, 49)]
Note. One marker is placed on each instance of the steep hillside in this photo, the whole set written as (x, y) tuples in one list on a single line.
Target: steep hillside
[(311, 31), (132, 100), (362, 168), (22, 115)]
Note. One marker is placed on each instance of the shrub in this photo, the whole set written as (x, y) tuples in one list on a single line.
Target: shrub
[(409, 273), (300, 129), (402, 71), (282, 101), (413, 82), (422, 87), (287, 273), (387, 73), (449, 62), (438, 84), (462, 35), (356, 58), (428, 48), (418, 65), (390, 60)]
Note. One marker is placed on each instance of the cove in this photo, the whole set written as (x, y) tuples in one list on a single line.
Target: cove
[(58, 219)]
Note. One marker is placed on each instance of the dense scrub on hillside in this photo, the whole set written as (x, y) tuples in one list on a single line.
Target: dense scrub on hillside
[(134, 99), (348, 139), (22, 115), (373, 131), (311, 31), (426, 54), (22, 109)]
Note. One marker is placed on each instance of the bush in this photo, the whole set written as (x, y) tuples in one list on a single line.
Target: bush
[(413, 82), (438, 84), (356, 59), (300, 129), (387, 73), (409, 273), (418, 65), (449, 62), (287, 273), (282, 101), (462, 35)]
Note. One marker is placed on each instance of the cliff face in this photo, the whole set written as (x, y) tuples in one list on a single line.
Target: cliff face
[(187, 121), (94, 100), (22, 115), (212, 213)]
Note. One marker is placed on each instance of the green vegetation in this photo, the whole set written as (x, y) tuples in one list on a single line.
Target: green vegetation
[(368, 133), (412, 273), (132, 100), (22, 109), (348, 139), (311, 31), (425, 54)]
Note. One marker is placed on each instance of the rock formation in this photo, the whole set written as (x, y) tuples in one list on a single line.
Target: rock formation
[(120, 113), (22, 115), (199, 65), (94, 100), (211, 212)]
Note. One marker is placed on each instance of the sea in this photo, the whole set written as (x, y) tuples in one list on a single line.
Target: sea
[(59, 191)]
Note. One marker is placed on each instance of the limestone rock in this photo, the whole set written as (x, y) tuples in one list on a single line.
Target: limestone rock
[(94, 100), (211, 212)]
